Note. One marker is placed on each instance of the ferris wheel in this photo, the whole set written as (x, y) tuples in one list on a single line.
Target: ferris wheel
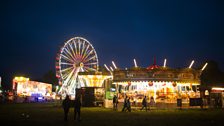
[(76, 55)]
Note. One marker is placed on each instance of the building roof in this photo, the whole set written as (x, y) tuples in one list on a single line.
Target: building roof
[(153, 66)]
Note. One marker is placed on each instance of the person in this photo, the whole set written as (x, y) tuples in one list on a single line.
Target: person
[(144, 104), (219, 103), (125, 104), (152, 101), (66, 106), (115, 101), (128, 105), (15, 98), (135, 102), (26, 99), (77, 108)]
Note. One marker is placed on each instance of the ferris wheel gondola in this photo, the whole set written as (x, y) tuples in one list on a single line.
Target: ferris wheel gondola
[(76, 55)]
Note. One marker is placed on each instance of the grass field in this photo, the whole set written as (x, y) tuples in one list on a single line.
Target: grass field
[(43, 114)]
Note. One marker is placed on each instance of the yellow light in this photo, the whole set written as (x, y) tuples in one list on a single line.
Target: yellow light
[(114, 65), (106, 67), (164, 64), (89, 76), (218, 88), (19, 79), (206, 92), (111, 68), (204, 66), (192, 62), (135, 63)]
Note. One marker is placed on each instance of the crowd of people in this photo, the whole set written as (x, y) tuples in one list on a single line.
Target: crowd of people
[(66, 104), (127, 104)]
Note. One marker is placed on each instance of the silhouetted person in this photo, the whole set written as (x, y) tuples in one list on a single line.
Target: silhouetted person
[(115, 101), (152, 101), (125, 104), (128, 105), (144, 104), (135, 102), (26, 99), (77, 107), (66, 106)]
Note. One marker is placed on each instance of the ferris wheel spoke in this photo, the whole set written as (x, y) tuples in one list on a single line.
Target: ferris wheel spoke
[(67, 59), (66, 54), (72, 79), (94, 63), (69, 53), (72, 83), (84, 58), (69, 76), (73, 75), (66, 74), (69, 82), (85, 51), (83, 48), (64, 63), (79, 46), (90, 58), (75, 47), (85, 69), (69, 68), (88, 68), (72, 50)]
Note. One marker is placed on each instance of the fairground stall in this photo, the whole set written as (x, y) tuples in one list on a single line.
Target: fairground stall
[(213, 94), (22, 86), (93, 86), (162, 83)]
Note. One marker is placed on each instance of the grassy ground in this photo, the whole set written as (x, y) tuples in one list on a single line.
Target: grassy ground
[(49, 114)]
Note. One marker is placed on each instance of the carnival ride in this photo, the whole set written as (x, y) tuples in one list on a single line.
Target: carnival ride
[(76, 55), (163, 83)]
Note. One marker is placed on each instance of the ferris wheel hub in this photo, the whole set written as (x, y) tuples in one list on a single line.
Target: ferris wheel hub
[(76, 65), (81, 64)]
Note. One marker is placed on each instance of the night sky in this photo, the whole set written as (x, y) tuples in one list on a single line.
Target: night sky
[(181, 31)]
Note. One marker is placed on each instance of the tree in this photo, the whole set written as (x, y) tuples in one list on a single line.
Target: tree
[(50, 77), (212, 74)]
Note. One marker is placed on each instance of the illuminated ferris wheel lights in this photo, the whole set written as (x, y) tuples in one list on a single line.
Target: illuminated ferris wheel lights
[(77, 54), (192, 62)]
